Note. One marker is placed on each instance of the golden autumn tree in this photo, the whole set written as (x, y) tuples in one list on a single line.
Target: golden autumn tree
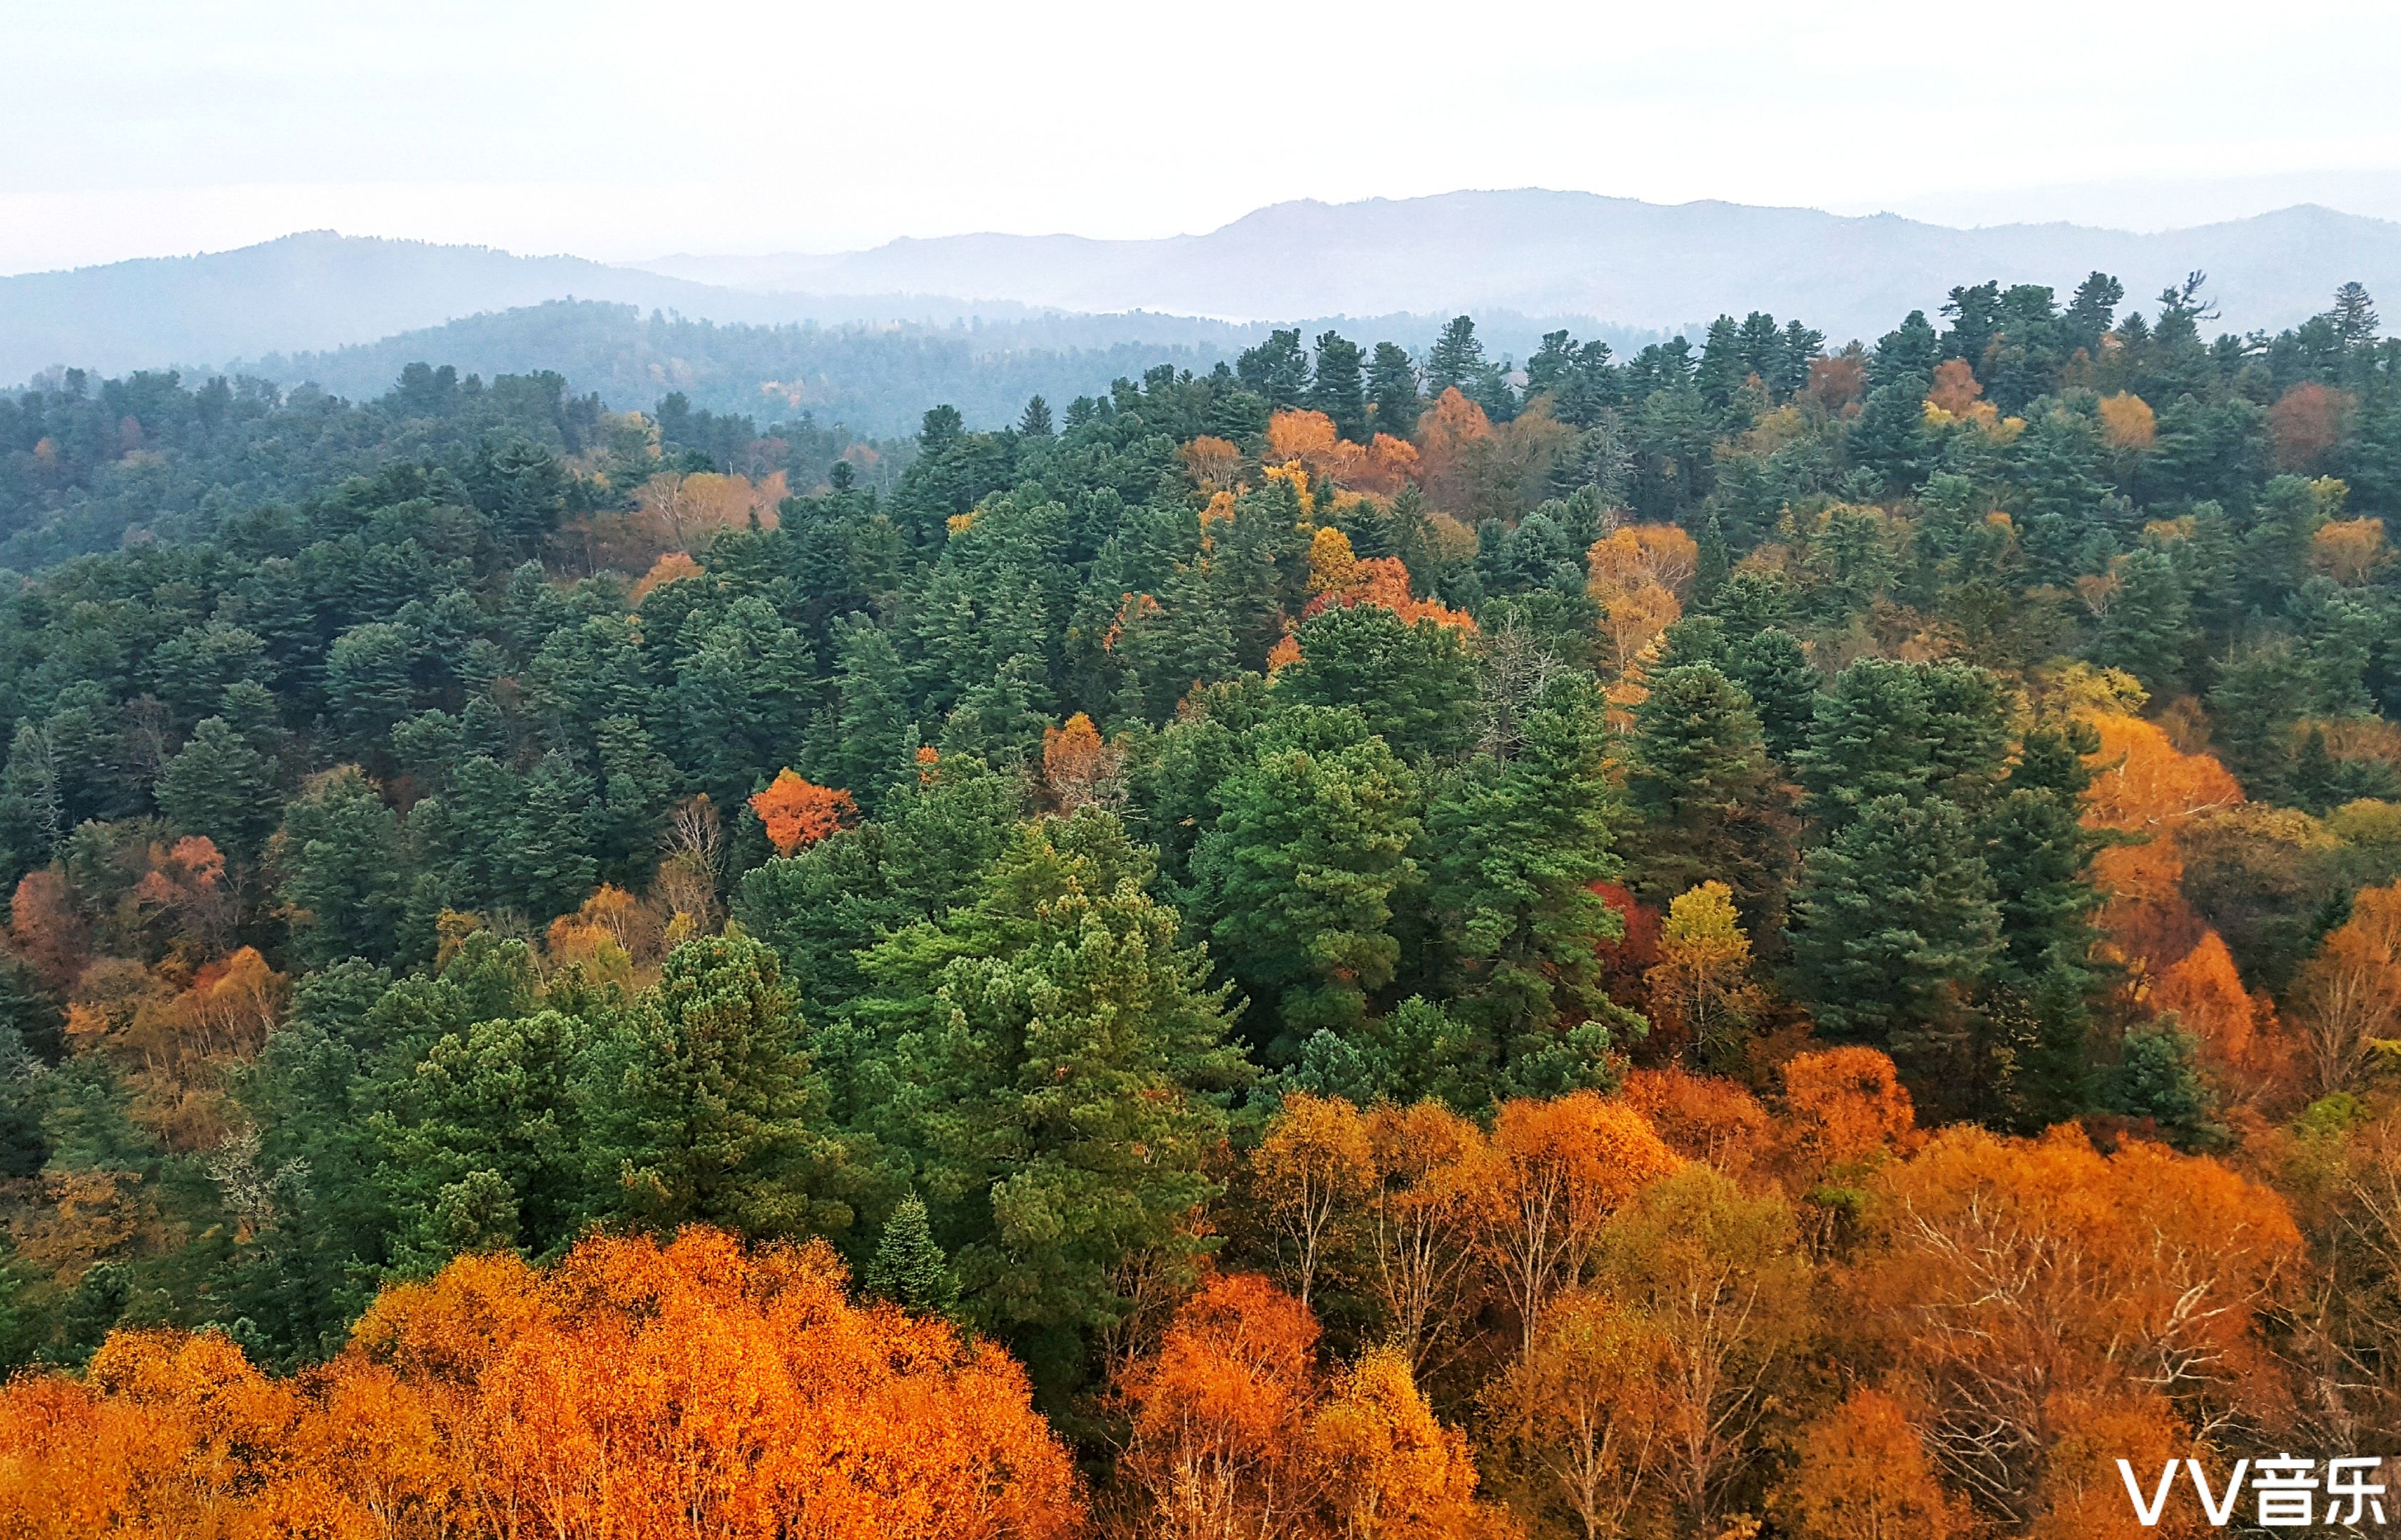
[(1314, 1163), (1863, 1475), (797, 812), (2349, 551), (2084, 1494), (1432, 1180), (2205, 992), (2350, 993), (1998, 1274), (1719, 1277), (46, 930), (1080, 768), (1580, 1419), (1338, 576), (2147, 788), (1560, 1168), (1954, 390), (1220, 1414), (1387, 1469), (1637, 575), (1701, 989), (2127, 422), (1455, 447)]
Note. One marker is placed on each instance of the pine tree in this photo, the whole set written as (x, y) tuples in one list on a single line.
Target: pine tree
[(1722, 367), (1514, 848), (703, 1100), (873, 746), (1706, 804), (1394, 402), (1913, 730), (1776, 673), (1277, 369), (345, 876), (1035, 422), (1337, 388), (2144, 629), (1414, 684), (1455, 359), (218, 786), (1052, 1062), (1295, 879), (1894, 926), (909, 1268), (1714, 564)]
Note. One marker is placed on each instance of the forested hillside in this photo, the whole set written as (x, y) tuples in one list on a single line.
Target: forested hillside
[(1753, 939)]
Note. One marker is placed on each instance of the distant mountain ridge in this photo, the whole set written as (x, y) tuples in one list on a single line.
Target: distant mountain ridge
[(318, 290), (1635, 263), (1626, 264)]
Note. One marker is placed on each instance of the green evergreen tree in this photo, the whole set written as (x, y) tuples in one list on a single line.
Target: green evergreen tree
[(1277, 369), (1339, 388), (1513, 849), (2144, 631), (1913, 730), (218, 786), (704, 1107), (1394, 402), (1894, 926), (1772, 669), (1297, 878), (1036, 421), (2157, 1079), (909, 1268), (1706, 804), (1051, 1064), (1456, 359), (873, 745), (1414, 684), (345, 874)]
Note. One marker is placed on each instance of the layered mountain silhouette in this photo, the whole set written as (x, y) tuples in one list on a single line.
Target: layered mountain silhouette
[(1618, 261)]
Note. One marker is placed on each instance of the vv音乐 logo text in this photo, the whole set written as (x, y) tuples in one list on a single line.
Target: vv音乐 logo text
[(2287, 1493)]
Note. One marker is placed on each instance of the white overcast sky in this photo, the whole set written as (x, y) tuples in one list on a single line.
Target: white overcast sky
[(132, 128)]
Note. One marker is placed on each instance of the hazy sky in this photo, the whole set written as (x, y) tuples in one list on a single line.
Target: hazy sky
[(621, 130)]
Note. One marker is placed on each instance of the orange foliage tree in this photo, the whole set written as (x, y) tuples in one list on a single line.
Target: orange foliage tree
[(2306, 424), (2144, 786), (2350, 993), (1431, 1181), (636, 1390), (1213, 464), (1338, 576), (1079, 768), (1235, 1432), (797, 812), (1559, 1170), (1220, 1413), (1863, 1475), (1314, 1163), (1845, 1105), (1999, 1274)]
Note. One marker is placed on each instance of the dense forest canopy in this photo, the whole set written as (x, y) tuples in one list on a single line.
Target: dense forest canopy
[(1753, 938)]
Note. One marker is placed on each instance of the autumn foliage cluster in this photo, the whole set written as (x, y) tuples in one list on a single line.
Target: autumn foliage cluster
[(635, 1390)]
